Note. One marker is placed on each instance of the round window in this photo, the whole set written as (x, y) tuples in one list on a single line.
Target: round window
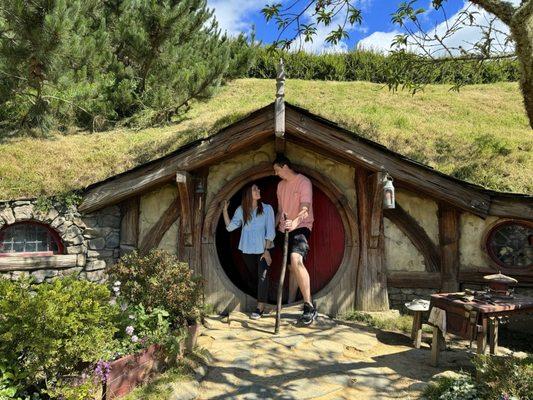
[(510, 244)]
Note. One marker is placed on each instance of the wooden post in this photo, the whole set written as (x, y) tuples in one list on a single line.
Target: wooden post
[(279, 109), (153, 237), (191, 190), (493, 335), (482, 332), (416, 332), (436, 343), (449, 232), (129, 225), (371, 289)]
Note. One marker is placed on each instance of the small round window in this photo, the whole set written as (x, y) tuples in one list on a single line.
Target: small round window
[(29, 237), (510, 244)]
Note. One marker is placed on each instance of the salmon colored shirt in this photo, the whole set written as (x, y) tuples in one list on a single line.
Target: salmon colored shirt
[(291, 194)]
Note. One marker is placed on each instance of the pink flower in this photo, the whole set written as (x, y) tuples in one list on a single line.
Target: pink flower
[(129, 330), (134, 339)]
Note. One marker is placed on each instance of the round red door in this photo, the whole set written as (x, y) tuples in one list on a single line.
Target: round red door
[(326, 243)]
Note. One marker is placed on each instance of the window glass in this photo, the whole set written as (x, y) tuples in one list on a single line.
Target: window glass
[(511, 245), (28, 238)]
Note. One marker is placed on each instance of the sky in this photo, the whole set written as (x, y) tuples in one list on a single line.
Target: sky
[(376, 32)]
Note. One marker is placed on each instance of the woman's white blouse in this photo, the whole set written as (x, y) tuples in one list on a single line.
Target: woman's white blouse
[(256, 231)]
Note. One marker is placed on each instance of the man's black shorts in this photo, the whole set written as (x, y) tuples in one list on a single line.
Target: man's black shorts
[(298, 241)]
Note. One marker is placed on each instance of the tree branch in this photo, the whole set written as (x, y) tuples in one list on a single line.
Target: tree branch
[(502, 9)]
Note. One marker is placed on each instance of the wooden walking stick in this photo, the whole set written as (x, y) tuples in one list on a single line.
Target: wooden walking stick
[(282, 277)]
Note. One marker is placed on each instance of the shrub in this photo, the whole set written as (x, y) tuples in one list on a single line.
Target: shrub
[(159, 280), (52, 332), (498, 378)]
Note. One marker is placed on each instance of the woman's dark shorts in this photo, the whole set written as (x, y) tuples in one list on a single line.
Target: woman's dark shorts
[(298, 241)]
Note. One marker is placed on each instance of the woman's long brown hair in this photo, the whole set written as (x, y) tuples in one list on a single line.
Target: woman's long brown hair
[(246, 204)]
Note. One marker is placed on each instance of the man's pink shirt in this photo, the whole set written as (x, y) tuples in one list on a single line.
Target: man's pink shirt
[(291, 194)]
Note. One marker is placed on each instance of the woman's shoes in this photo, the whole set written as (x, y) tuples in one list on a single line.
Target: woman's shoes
[(257, 314)]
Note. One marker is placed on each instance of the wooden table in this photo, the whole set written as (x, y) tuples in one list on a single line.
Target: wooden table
[(477, 319)]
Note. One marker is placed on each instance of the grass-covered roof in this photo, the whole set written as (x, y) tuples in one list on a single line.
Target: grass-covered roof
[(480, 135)]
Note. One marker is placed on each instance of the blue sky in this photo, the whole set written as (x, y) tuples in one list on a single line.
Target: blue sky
[(376, 32)]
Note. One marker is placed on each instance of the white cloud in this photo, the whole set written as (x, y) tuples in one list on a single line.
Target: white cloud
[(234, 16), (381, 41)]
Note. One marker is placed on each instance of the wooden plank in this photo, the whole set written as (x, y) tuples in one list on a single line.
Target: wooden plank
[(19, 263), (449, 232), (417, 235), (371, 280), (352, 149), (213, 149), (153, 237), (129, 225), (419, 280)]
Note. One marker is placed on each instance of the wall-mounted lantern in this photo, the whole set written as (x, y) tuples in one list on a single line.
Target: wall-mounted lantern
[(199, 187), (389, 200)]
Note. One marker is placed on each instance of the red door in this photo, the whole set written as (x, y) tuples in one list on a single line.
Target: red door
[(326, 243)]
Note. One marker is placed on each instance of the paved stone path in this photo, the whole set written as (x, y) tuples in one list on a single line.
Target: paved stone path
[(331, 360)]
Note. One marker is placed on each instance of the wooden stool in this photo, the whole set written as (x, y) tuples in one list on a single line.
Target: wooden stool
[(418, 307)]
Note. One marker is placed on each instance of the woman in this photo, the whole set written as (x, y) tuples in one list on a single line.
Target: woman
[(258, 231)]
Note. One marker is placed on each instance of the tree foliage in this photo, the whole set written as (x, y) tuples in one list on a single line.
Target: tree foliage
[(95, 63), (297, 23)]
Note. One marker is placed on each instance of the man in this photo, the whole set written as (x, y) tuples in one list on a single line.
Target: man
[(295, 214)]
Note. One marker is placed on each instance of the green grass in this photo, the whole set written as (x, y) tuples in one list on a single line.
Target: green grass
[(160, 388), (401, 323), (480, 134)]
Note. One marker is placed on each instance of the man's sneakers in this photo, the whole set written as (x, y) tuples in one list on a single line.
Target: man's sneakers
[(257, 314), (309, 314)]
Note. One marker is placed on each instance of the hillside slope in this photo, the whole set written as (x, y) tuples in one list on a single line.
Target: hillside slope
[(480, 134)]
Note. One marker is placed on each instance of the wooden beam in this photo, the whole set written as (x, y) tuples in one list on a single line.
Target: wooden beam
[(129, 225), (371, 293), (19, 263), (417, 235), (224, 144), (376, 220), (279, 109), (418, 280), (353, 149), (153, 237), (449, 233), (507, 207)]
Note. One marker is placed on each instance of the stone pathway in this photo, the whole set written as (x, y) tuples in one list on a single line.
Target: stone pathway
[(331, 360)]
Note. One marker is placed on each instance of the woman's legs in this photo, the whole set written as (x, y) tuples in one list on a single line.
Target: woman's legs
[(258, 271), (262, 283)]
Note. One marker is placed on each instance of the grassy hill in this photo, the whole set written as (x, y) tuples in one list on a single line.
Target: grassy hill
[(480, 135)]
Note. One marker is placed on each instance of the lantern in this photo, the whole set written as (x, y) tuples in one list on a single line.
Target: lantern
[(388, 192)]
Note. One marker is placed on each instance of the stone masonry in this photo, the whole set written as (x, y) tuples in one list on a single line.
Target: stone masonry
[(93, 238)]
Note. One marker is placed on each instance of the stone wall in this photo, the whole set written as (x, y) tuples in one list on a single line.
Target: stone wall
[(399, 296), (91, 242)]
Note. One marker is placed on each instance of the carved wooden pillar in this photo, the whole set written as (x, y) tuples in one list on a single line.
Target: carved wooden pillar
[(191, 190), (449, 233), (279, 109), (371, 291)]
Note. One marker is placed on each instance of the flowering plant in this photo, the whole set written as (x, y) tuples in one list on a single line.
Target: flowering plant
[(139, 328)]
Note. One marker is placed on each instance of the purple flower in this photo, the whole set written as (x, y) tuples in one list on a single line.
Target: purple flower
[(102, 370), (134, 339), (129, 330)]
